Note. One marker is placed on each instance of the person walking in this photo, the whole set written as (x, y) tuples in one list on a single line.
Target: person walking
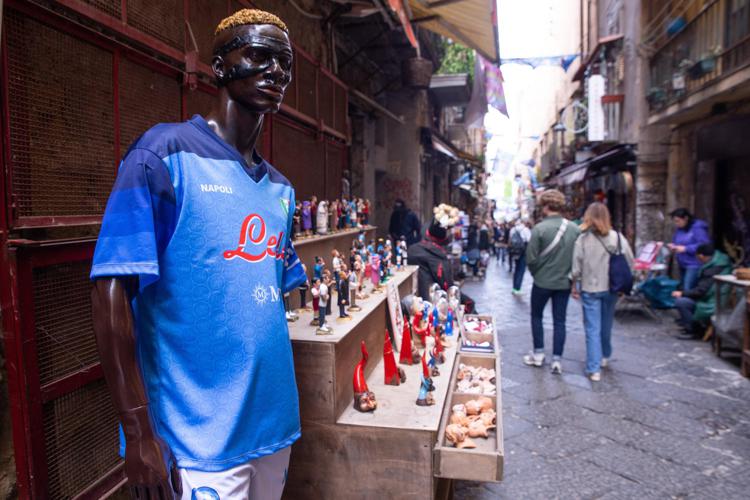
[(690, 234), (591, 271), (519, 240), (549, 256), (404, 222)]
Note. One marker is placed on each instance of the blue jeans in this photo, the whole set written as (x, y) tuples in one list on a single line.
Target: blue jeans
[(539, 298), (686, 307), (598, 316), (689, 277), (519, 272)]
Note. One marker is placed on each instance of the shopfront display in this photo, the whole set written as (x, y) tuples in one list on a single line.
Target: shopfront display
[(361, 410)]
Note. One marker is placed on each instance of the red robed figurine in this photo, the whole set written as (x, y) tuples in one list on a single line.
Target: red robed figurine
[(393, 374), (364, 400), (409, 354)]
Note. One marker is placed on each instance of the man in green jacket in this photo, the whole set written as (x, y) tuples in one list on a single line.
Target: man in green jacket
[(549, 256), (697, 304)]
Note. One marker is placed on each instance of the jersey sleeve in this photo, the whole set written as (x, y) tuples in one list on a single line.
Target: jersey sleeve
[(293, 275), (138, 222)]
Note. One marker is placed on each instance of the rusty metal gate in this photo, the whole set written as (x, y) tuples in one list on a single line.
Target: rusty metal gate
[(79, 81)]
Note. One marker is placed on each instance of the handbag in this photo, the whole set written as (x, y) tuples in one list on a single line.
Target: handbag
[(620, 275)]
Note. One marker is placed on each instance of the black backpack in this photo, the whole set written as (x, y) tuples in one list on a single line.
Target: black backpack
[(620, 275), (517, 245)]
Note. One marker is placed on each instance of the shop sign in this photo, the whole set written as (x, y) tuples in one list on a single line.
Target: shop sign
[(596, 85)]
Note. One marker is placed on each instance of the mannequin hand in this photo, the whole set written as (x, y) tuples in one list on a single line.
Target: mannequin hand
[(149, 464)]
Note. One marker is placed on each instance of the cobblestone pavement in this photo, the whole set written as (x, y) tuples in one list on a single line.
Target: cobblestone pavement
[(668, 420)]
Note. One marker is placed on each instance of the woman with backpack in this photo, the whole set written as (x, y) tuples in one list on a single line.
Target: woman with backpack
[(602, 267)]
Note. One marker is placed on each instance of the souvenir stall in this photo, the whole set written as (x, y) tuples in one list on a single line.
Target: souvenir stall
[(398, 396)]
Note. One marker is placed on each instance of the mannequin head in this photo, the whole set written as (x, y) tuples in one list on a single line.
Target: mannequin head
[(252, 60)]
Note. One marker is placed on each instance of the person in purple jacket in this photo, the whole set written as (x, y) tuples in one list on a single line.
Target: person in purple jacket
[(690, 234)]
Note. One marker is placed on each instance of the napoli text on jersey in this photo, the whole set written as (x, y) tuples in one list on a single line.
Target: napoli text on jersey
[(208, 237)]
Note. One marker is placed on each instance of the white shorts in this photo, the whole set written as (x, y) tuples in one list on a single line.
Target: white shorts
[(259, 479)]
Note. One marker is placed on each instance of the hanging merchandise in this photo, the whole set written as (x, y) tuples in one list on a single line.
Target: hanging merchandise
[(563, 61), (494, 86)]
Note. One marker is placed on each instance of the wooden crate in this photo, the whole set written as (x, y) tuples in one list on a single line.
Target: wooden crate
[(490, 336), (477, 360), (485, 462)]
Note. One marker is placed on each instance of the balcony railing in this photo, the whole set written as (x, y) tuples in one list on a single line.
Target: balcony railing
[(711, 45)]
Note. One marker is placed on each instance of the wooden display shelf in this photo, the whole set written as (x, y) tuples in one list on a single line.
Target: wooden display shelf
[(397, 407), (301, 330), (388, 453), (317, 238), (485, 462), (324, 364), (308, 248)]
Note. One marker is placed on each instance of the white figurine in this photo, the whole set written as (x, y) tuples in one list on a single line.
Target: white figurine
[(321, 222)]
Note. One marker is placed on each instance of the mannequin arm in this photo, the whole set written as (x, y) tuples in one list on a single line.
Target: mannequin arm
[(149, 464)]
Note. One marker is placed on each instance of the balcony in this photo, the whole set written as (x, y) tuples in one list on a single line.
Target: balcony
[(694, 47)]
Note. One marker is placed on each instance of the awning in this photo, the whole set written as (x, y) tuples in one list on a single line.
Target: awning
[(464, 179), (572, 174), (444, 147), (601, 43), (617, 158), (469, 22)]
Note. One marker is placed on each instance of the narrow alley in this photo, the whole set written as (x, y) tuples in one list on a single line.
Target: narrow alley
[(669, 419)]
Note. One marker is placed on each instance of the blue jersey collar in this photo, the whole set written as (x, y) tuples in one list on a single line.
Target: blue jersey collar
[(256, 172)]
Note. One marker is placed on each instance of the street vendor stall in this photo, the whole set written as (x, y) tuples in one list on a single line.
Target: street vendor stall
[(403, 448)]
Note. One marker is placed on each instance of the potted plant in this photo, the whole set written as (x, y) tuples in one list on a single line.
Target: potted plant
[(656, 97), (705, 65)]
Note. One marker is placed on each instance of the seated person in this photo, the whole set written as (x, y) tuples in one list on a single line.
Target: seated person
[(697, 304)]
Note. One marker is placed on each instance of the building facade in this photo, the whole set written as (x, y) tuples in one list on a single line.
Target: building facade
[(698, 92)]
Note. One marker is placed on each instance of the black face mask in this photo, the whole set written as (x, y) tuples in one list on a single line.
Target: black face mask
[(264, 52)]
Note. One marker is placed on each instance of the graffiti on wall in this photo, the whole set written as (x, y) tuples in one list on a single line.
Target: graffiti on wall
[(393, 188)]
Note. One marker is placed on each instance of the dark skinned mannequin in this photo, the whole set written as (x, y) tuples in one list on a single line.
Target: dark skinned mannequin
[(253, 71)]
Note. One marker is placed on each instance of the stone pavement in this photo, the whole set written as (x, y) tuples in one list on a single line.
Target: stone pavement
[(668, 420)]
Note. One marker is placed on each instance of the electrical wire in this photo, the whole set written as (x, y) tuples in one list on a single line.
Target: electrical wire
[(304, 12)]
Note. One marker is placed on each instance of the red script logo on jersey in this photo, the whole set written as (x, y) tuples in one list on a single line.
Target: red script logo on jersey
[(253, 233)]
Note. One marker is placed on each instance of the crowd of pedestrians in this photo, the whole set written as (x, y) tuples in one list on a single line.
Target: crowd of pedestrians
[(590, 261)]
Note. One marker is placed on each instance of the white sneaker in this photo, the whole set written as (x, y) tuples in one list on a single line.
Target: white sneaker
[(534, 359), (605, 363), (595, 377), (556, 367)]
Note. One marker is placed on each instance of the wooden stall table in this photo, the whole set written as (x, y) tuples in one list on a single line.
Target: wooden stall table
[(743, 342), (389, 453)]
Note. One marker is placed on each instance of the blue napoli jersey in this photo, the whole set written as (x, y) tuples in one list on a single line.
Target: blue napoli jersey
[(209, 239)]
